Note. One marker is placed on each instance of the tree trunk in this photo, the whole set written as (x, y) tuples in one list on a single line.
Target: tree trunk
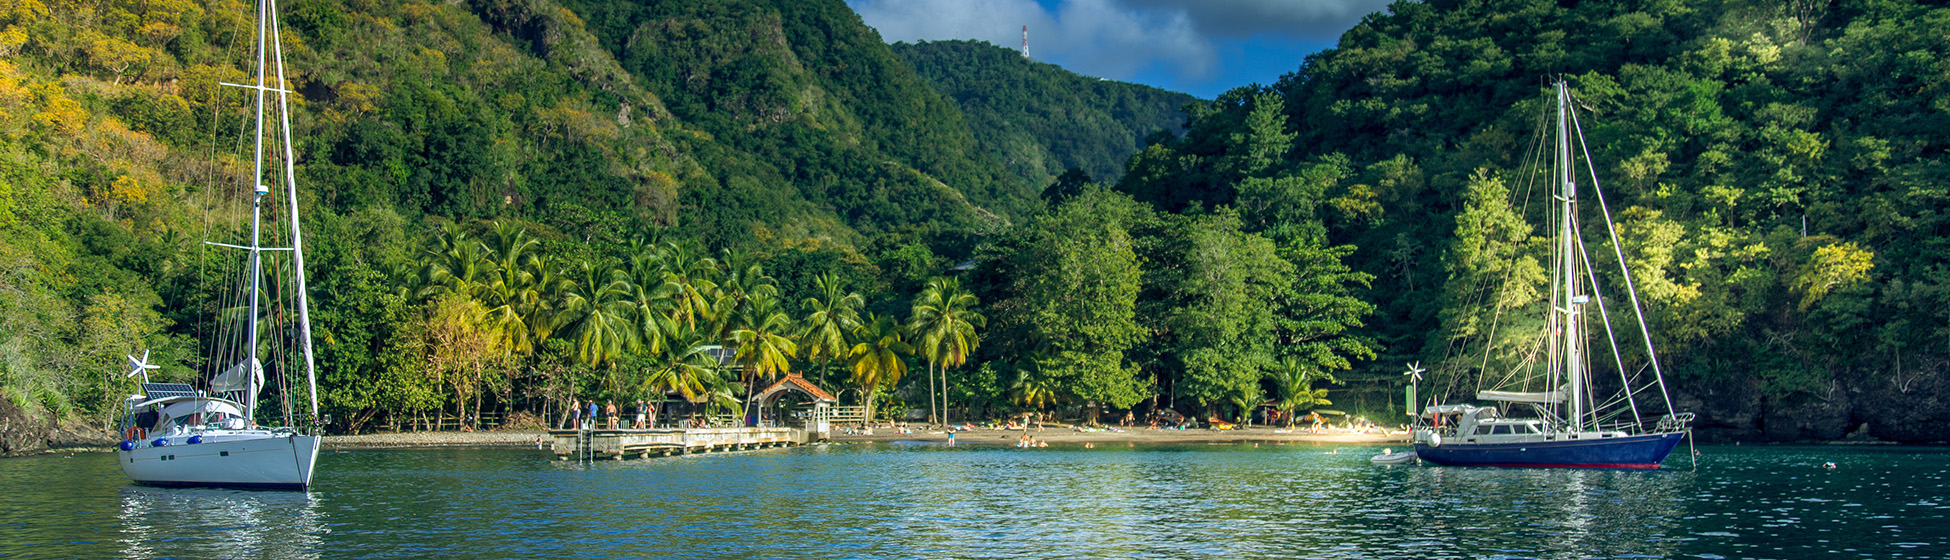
[(944, 396), (931, 395)]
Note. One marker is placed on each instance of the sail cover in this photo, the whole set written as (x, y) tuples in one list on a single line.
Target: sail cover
[(181, 409), (1546, 397), (233, 379)]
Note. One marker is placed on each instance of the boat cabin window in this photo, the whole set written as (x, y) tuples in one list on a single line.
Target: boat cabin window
[(1482, 430), (1533, 428), (1501, 430)]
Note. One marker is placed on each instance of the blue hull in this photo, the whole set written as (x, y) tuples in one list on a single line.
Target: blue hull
[(1631, 452)]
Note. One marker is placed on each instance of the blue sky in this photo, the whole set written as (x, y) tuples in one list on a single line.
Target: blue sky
[(1201, 47)]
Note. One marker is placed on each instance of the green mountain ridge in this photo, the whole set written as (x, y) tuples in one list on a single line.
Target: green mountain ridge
[(1039, 119)]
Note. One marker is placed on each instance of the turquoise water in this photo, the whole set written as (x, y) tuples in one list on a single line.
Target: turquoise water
[(932, 501)]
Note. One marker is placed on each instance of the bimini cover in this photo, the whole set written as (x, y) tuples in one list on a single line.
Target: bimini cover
[(186, 408), (1547, 397), (233, 379)]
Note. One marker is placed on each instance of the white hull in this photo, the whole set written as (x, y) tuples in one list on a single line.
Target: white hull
[(240, 459)]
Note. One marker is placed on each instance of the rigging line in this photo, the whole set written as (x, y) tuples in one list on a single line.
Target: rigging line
[(1651, 354), (1533, 155), (1605, 317)]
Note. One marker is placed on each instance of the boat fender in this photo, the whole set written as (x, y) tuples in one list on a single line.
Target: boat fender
[(160, 442), (128, 445), (196, 439), (1435, 440)]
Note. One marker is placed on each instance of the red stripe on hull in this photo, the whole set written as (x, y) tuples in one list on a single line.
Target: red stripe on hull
[(1571, 465)]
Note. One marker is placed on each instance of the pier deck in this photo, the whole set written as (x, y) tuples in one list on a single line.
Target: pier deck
[(621, 444)]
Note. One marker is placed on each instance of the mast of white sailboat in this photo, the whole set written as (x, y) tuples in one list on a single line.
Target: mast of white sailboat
[(1572, 361), (258, 190), (291, 191)]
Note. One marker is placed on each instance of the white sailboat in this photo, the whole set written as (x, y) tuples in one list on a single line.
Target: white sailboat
[(1571, 426), (178, 435)]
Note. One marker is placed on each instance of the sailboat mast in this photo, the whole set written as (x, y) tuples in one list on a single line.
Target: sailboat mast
[(291, 191), (258, 190), (1573, 371)]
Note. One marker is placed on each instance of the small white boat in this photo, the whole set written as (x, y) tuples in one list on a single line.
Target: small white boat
[(1391, 457)]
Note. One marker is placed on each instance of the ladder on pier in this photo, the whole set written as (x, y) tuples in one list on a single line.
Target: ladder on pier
[(586, 445)]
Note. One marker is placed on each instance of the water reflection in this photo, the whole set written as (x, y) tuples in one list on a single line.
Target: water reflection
[(219, 523), (995, 501)]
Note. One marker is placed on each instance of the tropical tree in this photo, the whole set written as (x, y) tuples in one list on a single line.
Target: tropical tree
[(1293, 380), (509, 292), (876, 359), (945, 321), (764, 349), (596, 313), (684, 366), (829, 318), (455, 264)]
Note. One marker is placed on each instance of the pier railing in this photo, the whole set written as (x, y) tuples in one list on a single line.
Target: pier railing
[(620, 444)]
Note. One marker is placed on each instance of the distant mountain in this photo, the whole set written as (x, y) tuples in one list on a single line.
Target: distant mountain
[(1039, 119)]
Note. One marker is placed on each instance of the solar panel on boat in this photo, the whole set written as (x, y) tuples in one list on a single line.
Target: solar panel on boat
[(166, 390)]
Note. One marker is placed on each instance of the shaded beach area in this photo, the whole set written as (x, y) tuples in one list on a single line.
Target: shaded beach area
[(1051, 434), (1069, 435)]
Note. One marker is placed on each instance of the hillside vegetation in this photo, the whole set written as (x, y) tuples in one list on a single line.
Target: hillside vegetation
[(1040, 120), (1778, 169)]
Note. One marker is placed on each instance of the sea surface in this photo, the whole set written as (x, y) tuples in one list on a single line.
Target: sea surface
[(913, 500)]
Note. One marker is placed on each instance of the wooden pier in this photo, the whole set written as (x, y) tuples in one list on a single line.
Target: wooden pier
[(644, 444)]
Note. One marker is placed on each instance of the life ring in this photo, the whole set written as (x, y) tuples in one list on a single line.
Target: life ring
[(135, 433), (1435, 440)]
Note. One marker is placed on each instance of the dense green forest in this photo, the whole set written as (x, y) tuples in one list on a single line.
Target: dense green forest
[(1040, 120), (1778, 169), (516, 202)]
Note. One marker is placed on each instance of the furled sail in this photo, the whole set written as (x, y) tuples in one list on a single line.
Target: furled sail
[(1545, 397)]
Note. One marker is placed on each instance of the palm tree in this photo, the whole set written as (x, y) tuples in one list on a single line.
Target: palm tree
[(828, 320), (507, 291), (653, 300), (1293, 386), (596, 312), (945, 321), (763, 347), (684, 366), (877, 359), (454, 264), (1032, 390)]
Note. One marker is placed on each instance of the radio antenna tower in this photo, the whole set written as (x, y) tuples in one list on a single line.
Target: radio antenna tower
[(1025, 41)]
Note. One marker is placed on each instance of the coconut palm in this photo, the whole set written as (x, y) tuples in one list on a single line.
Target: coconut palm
[(508, 290), (1293, 386), (945, 321), (1032, 390), (876, 359), (684, 366), (455, 264), (829, 318), (596, 313), (764, 349), (653, 302)]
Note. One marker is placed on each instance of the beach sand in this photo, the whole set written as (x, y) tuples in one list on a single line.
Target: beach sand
[(1066, 435), (1053, 434)]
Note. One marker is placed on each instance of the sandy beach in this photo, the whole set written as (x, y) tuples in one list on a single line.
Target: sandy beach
[(497, 438), (1053, 434), (1065, 435)]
